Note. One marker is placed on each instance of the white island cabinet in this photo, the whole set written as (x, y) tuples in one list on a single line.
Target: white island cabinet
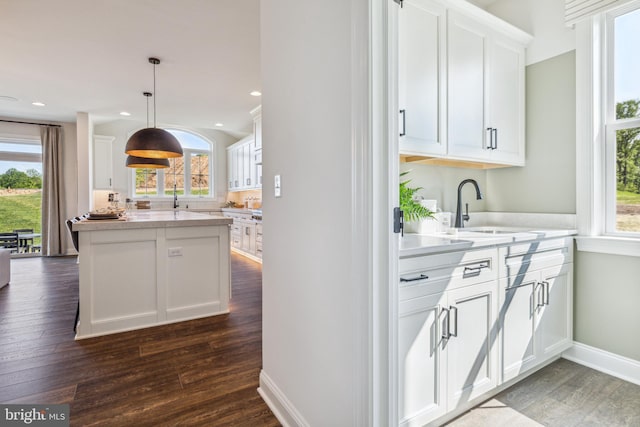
[(153, 268)]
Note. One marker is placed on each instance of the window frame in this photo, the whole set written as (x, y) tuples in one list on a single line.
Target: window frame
[(161, 173), (596, 127)]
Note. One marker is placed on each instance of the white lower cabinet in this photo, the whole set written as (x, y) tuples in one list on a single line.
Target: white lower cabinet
[(472, 321), (535, 314), (421, 347), (471, 355), (246, 234)]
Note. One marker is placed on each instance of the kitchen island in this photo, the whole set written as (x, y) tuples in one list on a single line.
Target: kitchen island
[(151, 268)]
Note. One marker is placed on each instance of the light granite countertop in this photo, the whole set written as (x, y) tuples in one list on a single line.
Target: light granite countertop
[(153, 219), (473, 238)]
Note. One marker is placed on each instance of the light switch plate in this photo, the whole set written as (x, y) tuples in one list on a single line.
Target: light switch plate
[(276, 185), (175, 251)]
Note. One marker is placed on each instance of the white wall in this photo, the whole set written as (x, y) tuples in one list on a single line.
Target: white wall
[(309, 329), (122, 129), (544, 19)]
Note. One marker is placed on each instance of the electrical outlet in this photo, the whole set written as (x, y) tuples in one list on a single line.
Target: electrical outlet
[(175, 251)]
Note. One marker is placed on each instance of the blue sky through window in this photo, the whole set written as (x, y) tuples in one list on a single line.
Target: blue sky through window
[(627, 57), (20, 148)]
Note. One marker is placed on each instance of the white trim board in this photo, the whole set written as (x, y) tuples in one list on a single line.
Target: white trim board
[(604, 361), (281, 407)]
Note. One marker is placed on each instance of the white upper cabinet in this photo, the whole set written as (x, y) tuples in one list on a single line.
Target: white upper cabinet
[(421, 70), (103, 162), (466, 61), (486, 93), (461, 87), (506, 101)]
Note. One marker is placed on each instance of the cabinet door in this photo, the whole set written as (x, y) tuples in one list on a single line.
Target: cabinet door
[(236, 168), (247, 181), (421, 51), (103, 162), (506, 101), (517, 319), (249, 237), (555, 316), (230, 169), (257, 132), (420, 383), (472, 360), (466, 82)]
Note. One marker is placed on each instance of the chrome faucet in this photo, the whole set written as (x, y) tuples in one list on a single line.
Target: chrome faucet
[(175, 197), (460, 217)]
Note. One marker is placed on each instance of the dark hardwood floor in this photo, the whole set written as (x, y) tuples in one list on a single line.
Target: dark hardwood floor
[(198, 373)]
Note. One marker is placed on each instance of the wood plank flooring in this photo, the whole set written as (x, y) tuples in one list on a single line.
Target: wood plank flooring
[(563, 394), (198, 373)]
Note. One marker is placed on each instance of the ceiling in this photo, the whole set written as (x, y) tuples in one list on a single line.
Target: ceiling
[(92, 56)]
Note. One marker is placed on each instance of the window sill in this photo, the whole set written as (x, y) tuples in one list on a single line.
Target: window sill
[(609, 245)]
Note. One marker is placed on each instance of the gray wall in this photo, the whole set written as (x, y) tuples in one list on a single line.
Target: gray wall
[(441, 183), (606, 303), (548, 181)]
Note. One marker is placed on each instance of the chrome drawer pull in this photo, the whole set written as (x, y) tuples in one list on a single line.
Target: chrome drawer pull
[(476, 270), (413, 279)]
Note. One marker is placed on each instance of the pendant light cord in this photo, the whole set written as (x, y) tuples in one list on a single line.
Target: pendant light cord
[(154, 94)]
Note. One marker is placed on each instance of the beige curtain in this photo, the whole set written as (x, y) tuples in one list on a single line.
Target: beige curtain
[(52, 186)]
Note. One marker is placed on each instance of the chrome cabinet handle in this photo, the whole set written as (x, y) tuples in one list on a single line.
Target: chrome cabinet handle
[(404, 123), (454, 310), (545, 287), (494, 146), (446, 333), (490, 144), (413, 279), (476, 270), (539, 297)]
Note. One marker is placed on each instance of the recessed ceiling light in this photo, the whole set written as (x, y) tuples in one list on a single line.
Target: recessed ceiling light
[(38, 104), (219, 124), (7, 98), (124, 113), (255, 93)]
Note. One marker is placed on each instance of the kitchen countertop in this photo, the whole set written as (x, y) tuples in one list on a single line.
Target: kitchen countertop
[(472, 238), (152, 219)]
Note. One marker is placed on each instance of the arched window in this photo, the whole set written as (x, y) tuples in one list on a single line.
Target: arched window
[(190, 175)]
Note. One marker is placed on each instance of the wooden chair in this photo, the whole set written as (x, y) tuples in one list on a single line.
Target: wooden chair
[(9, 241)]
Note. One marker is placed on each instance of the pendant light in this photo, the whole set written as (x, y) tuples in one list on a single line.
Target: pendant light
[(153, 142), (144, 162)]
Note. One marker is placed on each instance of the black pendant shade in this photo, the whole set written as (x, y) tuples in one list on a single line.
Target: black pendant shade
[(153, 143), (146, 163)]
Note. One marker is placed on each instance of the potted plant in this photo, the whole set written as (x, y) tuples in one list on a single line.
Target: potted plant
[(414, 212)]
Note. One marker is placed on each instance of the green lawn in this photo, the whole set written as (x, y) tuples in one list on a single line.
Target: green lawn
[(21, 211), (628, 198)]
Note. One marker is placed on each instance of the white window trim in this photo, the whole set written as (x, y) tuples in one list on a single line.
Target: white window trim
[(592, 151), (161, 195)]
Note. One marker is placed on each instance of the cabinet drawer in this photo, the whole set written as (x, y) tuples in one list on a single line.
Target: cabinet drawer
[(520, 258), (236, 229), (420, 276)]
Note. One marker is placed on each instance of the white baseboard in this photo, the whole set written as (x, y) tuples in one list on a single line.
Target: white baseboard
[(603, 361), (281, 407)]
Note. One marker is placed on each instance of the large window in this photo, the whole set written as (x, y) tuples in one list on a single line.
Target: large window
[(21, 193), (190, 175), (622, 121)]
